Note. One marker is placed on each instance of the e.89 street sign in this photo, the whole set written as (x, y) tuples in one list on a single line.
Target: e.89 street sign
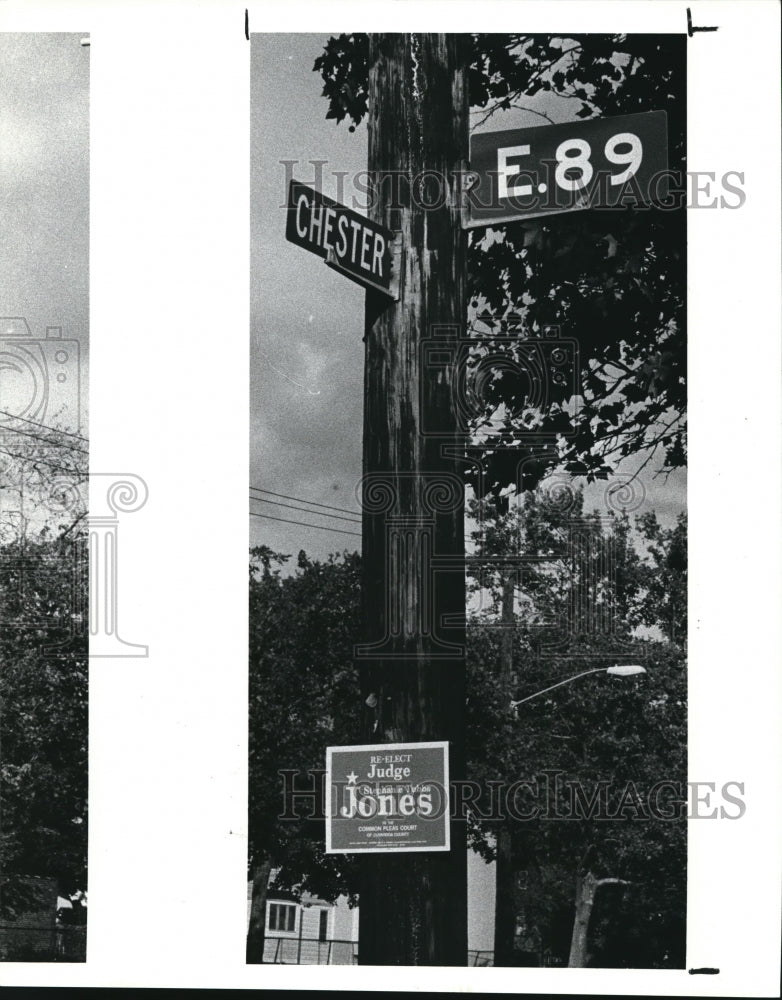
[(387, 797), (600, 163)]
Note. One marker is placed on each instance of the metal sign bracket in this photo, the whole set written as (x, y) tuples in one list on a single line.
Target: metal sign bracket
[(467, 180), (392, 291)]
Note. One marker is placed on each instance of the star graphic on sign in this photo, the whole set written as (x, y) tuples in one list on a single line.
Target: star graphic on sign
[(352, 778)]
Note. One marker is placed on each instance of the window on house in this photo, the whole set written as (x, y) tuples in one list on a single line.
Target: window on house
[(324, 926), (282, 917)]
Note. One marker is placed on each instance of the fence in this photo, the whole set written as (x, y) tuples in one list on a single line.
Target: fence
[(480, 958), (309, 951), (43, 944), (312, 951), (547, 960)]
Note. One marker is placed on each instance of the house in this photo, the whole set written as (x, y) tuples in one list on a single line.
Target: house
[(314, 932), (309, 931)]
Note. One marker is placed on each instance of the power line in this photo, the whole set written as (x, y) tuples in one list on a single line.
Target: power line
[(46, 427), (37, 437), (33, 462), (312, 503), (303, 510), (306, 524)]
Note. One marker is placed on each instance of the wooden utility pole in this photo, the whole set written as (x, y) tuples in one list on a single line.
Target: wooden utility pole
[(504, 900), (256, 931), (414, 905)]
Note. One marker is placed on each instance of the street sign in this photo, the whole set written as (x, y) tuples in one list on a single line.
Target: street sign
[(532, 172), (387, 797), (350, 243)]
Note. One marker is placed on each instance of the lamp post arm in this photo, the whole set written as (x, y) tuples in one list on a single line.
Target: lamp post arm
[(567, 680)]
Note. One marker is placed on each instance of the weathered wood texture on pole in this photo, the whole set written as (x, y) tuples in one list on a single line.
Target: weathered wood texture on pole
[(414, 905), (256, 931), (504, 901)]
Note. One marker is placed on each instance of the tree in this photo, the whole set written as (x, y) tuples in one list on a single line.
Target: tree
[(303, 698), (663, 603), (613, 280), (43, 661), (605, 741), (539, 528)]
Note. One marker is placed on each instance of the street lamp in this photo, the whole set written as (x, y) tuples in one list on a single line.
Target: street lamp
[(627, 670)]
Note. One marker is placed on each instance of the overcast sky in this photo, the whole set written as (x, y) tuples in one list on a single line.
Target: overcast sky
[(307, 320), (44, 186)]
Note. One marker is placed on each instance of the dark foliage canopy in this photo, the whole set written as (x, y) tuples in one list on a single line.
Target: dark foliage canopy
[(612, 280)]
